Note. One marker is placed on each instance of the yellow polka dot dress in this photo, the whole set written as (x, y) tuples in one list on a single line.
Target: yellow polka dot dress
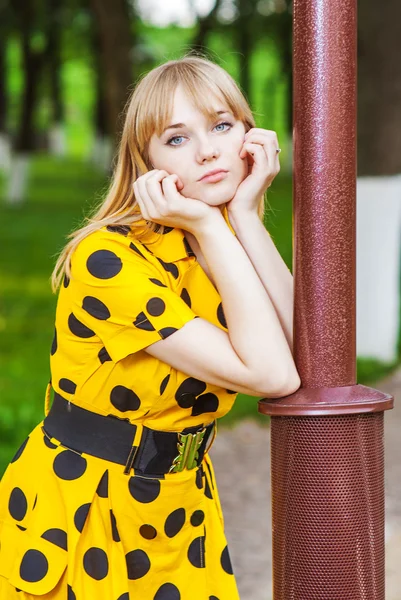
[(74, 526)]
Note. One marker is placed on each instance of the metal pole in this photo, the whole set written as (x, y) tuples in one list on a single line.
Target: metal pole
[(327, 448)]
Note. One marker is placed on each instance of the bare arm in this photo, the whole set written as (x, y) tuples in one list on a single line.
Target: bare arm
[(274, 274), (254, 328)]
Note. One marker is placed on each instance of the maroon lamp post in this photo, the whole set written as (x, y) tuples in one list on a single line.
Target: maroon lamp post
[(327, 447)]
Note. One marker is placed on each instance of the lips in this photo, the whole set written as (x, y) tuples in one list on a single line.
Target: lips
[(214, 172)]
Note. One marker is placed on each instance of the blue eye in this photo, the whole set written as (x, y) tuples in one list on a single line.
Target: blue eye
[(168, 143)]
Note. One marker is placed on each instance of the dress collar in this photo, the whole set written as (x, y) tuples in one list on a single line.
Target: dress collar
[(172, 245)]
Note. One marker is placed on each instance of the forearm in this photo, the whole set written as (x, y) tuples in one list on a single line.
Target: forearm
[(271, 268), (253, 325)]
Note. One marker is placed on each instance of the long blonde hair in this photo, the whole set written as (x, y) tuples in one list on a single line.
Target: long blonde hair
[(149, 110)]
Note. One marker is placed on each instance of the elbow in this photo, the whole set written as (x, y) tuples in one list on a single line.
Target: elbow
[(287, 387)]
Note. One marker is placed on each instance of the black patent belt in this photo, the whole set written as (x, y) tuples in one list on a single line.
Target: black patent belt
[(148, 451)]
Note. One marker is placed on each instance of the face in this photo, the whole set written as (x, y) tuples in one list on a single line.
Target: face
[(200, 146)]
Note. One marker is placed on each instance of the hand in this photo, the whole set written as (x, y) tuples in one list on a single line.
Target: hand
[(259, 148), (160, 201)]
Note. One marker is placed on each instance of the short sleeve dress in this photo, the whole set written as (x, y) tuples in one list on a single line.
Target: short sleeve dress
[(75, 527)]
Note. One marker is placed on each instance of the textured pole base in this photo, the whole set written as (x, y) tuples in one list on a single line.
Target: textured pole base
[(328, 495)]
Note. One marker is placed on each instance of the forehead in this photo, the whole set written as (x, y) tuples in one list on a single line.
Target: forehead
[(205, 104)]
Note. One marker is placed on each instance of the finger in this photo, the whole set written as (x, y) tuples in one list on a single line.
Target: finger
[(272, 156), (263, 139), (149, 188), (171, 194), (257, 152), (161, 194), (266, 133)]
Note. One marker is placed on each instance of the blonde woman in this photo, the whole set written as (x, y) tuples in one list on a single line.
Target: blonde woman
[(163, 316)]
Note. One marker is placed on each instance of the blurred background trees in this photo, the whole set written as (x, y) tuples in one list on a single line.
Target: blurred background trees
[(66, 71)]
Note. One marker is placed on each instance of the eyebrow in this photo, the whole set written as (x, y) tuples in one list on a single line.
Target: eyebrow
[(177, 125)]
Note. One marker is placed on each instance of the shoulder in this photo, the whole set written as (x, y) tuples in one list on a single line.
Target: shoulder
[(104, 254)]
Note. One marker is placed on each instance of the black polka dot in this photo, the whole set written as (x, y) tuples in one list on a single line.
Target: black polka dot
[(124, 596), (114, 530), (121, 229), (206, 403), (226, 562), (104, 264), (144, 490), (20, 450), (103, 355), (57, 537), (188, 248), (157, 282), (138, 564), (34, 504), (208, 491), (69, 465), (17, 504), (196, 552), (148, 532), (198, 479), (103, 486), (81, 515), (96, 563), (66, 385), (168, 591), (213, 598), (66, 280), (231, 392), (186, 297), (174, 522), (78, 328), (164, 383), (136, 249), (220, 315), (142, 322), (197, 518), (124, 399), (70, 594), (188, 390), (54, 343), (20, 527), (169, 267), (96, 308), (166, 331), (167, 229), (34, 566), (48, 443), (155, 307)]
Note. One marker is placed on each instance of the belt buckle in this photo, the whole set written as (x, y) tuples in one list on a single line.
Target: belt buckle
[(188, 445)]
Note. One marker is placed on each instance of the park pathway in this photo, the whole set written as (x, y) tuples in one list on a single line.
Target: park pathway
[(241, 458)]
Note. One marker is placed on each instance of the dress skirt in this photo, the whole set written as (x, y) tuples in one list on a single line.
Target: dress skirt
[(75, 527)]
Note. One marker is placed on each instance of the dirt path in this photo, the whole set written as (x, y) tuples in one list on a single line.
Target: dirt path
[(241, 457)]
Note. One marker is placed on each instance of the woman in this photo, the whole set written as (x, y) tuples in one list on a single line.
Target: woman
[(113, 496)]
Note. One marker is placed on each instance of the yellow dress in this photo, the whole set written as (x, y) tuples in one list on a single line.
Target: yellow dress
[(75, 527)]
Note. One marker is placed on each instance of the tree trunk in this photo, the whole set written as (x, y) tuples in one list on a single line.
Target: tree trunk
[(243, 34), (32, 64), (205, 26), (54, 65), (379, 88), (113, 20), (379, 193)]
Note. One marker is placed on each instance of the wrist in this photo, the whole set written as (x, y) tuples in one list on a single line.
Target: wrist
[(241, 217), (208, 225)]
